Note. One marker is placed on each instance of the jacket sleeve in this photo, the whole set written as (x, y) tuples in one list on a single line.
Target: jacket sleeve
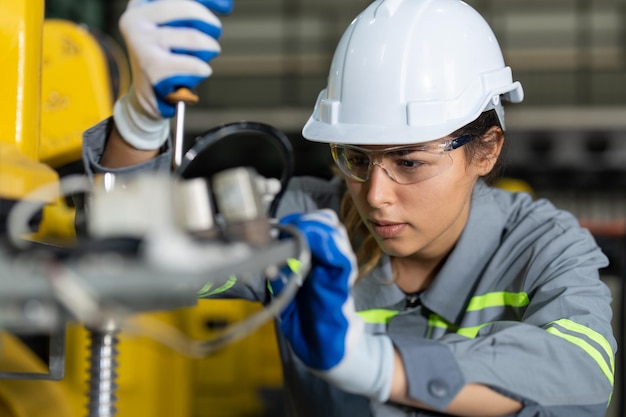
[(94, 141), (558, 359)]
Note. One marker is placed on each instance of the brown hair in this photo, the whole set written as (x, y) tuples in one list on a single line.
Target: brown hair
[(368, 252)]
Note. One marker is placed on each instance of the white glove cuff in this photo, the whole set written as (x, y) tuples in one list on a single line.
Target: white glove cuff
[(367, 370), (138, 129)]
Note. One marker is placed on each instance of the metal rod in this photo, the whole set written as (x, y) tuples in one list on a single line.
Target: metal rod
[(180, 98), (179, 135)]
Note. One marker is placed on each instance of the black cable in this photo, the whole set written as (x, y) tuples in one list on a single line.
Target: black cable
[(218, 133)]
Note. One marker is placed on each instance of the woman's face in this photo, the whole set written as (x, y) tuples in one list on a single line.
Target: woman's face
[(421, 220)]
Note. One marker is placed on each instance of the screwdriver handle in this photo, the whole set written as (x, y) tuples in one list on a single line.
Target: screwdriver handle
[(182, 94)]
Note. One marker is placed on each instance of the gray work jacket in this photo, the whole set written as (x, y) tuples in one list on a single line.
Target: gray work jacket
[(518, 306)]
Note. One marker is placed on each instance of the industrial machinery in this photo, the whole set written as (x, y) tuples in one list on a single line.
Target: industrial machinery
[(99, 254)]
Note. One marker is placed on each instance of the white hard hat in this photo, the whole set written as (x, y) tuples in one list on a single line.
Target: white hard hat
[(411, 71)]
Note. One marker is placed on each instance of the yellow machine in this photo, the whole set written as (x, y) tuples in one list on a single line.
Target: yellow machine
[(21, 172), (57, 84)]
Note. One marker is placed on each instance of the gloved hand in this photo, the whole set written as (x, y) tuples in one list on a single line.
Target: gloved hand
[(169, 43), (321, 323)]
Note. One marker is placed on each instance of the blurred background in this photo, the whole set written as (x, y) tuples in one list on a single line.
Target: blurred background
[(566, 141), (569, 55)]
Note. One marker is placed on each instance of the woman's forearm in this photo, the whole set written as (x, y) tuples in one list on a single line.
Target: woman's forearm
[(118, 153), (474, 400)]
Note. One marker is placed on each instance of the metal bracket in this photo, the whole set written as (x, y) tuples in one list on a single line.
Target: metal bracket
[(56, 362)]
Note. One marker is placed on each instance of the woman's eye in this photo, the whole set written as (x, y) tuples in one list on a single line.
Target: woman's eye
[(412, 159), (408, 163), (358, 160)]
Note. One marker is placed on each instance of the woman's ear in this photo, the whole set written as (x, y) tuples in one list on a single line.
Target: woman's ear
[(489, 153)]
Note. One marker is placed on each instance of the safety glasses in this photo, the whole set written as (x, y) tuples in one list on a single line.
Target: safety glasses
[(406, 164)]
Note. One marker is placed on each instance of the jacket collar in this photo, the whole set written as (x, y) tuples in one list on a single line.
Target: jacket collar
[(455, 283), (377, 289)]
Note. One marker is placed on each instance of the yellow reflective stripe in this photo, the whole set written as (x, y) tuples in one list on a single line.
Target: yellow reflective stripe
[(377, 315), (294, 264), (471, 332), (436, 320), (587, 348), (481, 302), (498, 299), (591, 334), (206, 290)]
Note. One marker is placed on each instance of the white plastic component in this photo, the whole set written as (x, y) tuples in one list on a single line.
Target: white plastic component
[(192, 202), (130, 208), (237, 196), (268, 188)]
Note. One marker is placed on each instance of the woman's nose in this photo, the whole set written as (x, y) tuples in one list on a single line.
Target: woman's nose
[(380, 191)]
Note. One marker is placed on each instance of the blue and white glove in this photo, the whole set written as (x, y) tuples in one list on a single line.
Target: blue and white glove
[(169, 43), (321, 323)]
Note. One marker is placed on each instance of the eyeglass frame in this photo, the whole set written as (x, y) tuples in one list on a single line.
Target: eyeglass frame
[(445, 146)]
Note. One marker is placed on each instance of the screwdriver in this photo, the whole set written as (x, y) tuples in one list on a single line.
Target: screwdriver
[(181, 98)]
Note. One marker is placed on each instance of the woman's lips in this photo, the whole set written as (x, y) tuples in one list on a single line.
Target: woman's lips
[(387, 230)]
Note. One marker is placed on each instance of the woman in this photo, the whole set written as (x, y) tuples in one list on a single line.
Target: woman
[(462, 299)]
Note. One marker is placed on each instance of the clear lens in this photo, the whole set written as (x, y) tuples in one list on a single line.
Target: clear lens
[(404, 164)]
